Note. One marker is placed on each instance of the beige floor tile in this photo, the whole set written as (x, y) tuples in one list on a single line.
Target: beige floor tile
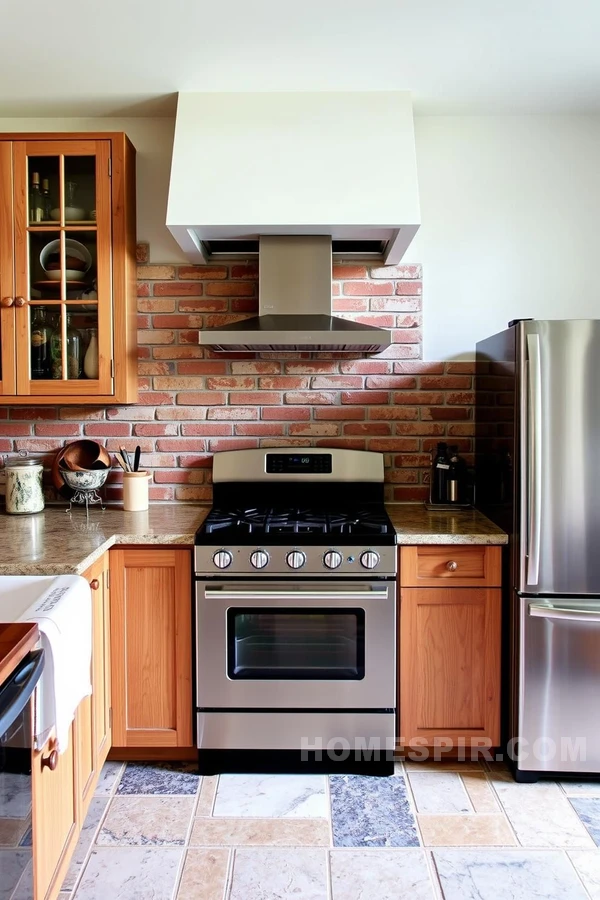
[(204, 875), (442, 765), (439, 792), (260, 833), (541, 815), (466, 831), (480, 793), (206, 800), (12, 830), (143, 820)]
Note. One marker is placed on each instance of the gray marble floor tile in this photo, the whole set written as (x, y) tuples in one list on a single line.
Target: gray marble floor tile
[(109, 777), (90, 826), (587, 864), (279, 874), (159, 778), (439, 792), (380, 873), (130, 873), (13, 864), (371, 812), (588, 810), (263, 796), (507, 875), (15, 795), (137, 821), (581, 788)]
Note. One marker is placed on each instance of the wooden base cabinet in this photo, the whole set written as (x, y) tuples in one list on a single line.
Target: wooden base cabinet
[(151, 647), (55, 815), (64, 784), (450, 639)]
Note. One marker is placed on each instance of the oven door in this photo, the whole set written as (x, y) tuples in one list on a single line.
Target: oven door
[(302, 645)]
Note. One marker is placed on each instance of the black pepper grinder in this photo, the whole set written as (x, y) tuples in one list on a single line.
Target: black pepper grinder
[(439, 474)]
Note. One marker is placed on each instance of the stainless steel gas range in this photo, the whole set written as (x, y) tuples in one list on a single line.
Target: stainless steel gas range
[(296, 614)]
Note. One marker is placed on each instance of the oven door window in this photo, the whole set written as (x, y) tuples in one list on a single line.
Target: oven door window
[(300, 644)]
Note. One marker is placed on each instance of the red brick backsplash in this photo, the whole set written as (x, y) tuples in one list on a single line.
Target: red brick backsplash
[(194, 402)]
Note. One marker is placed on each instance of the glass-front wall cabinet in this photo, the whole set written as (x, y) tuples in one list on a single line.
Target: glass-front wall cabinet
[(67, 301)]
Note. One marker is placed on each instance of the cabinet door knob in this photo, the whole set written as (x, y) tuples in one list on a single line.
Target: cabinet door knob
[(94, 584), (7, 301), (50, 761), (20, 301), (452, 566)]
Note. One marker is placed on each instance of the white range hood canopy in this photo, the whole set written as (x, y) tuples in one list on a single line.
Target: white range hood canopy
[(338, 164)]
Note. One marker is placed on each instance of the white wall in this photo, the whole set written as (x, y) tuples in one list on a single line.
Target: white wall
[(153, 140), (510, 209)]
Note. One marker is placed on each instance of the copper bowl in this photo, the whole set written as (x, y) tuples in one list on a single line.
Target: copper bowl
[(85, 455)]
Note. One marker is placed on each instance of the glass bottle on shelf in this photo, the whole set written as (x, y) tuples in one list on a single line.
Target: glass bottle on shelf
[(47, 200), (40, 343), (74, 361), (36, 200), (90, 361)]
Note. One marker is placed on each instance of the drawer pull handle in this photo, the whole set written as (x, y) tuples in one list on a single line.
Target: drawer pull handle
[(94, 584), (452, 565), (50, 761), (20, 301), (7, 302)]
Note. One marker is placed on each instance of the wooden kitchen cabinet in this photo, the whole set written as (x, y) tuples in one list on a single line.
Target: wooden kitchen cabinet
[(92, 724), (151, 647), (83, 231), (450, 640), (55, 815)]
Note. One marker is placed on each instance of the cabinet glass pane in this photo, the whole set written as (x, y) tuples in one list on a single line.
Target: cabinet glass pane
[(43, 185), (50, 325), (80, 189), (50, 252)]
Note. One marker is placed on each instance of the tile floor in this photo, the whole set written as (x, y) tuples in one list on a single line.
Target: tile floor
[(462, 831)]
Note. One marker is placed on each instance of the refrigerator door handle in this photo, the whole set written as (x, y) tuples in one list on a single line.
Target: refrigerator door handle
[(558, 612), (534, 463)]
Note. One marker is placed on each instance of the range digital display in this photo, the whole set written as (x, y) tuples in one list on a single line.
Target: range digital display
[(299, 463)]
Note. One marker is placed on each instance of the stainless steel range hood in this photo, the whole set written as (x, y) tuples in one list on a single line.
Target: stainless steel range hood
[(295, 305)]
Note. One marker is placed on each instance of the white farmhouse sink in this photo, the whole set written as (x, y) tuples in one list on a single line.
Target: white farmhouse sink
[(18, 592)]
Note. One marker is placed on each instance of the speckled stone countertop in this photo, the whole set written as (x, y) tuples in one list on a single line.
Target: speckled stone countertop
[(56, 542), (416, 525)]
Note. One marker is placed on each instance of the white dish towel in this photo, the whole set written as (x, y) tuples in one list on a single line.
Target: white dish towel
[(63, 614)]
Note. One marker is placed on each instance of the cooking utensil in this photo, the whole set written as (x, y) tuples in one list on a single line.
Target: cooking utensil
[(136, 458), (120, 460), (126, 459)]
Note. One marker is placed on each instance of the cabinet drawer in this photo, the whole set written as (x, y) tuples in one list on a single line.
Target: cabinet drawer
[(471, 565)]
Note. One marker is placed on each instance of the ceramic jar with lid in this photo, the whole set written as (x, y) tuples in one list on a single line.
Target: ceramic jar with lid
[(24, 494)]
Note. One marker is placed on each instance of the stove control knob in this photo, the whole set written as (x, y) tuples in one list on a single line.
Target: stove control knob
[(333, 559), (222, 559), (296, 559), (259, 559), (369, 559)]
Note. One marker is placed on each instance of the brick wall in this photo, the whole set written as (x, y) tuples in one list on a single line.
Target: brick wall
[(194, 402)]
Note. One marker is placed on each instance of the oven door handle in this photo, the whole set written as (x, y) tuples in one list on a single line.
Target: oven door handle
[(294, 595)]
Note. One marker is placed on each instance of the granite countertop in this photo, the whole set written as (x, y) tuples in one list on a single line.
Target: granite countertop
[(56, 542), (416, 525)]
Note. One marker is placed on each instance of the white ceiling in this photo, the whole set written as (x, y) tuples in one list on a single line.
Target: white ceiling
[(129, 57)]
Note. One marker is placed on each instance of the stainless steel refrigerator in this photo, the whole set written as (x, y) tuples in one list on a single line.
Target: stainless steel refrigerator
[(537, 457)]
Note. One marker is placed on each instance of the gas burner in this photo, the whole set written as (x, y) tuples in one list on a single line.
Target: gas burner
[(282, 521)]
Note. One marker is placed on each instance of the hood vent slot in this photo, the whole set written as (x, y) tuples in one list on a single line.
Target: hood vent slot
[(364, 248)]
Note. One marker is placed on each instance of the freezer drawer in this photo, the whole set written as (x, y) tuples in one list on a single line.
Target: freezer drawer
[(559, 685)]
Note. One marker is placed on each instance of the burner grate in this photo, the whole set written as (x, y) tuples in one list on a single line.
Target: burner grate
[(275, 520)]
